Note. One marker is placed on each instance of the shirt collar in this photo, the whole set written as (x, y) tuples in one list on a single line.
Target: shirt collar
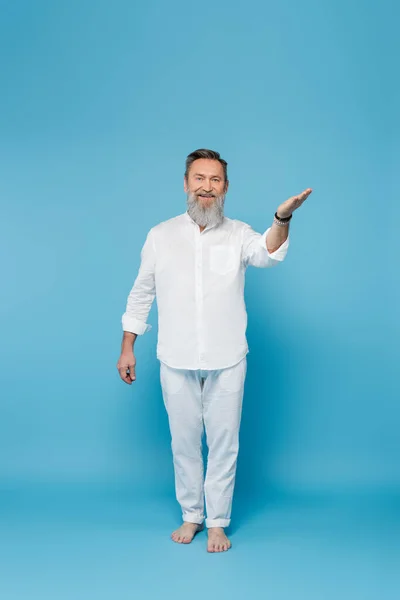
[(189, 218)]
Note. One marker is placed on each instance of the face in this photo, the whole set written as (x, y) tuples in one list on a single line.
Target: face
[(206, 181), (206, 188)]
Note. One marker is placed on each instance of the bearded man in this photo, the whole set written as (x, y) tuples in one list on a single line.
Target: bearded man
[(196, 263)]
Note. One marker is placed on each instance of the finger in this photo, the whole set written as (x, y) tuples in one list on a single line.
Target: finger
[(306, 193), (298, 200), (123, 373), (132, 372)]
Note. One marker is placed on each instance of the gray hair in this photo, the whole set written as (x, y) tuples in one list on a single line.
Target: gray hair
[(204, 153)]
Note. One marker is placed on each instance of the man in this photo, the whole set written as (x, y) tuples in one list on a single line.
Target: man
[(196, 265)]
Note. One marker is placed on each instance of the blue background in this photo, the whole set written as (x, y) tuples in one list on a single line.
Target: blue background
[(100, 104)]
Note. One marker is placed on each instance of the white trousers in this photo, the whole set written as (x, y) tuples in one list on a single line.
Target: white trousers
[(212, 400)]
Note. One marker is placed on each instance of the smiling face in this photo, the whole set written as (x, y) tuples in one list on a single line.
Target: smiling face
[(206, 187), (206, 180)]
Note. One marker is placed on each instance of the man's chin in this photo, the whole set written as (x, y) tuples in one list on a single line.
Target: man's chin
[(205, 202), (204, 211)]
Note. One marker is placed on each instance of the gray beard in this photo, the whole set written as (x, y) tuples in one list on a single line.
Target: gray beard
[(206, 216)]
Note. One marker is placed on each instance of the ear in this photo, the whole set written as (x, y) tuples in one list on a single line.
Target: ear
[(226, 185), (185, 185)]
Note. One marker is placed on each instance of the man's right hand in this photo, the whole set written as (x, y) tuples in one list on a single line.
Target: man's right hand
[(127, 367)]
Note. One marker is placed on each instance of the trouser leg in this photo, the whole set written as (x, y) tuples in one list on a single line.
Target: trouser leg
[(222, 409), (182, 398)]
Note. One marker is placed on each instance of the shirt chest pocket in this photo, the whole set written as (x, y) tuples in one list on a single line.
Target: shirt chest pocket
[(222, 259)]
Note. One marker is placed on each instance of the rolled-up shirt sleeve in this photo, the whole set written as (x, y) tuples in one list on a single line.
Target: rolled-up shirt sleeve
[(143, 292), (255, 252)]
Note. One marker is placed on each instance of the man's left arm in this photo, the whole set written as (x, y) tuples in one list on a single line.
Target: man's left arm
[(270, 248), (276, 236), (278, 232)]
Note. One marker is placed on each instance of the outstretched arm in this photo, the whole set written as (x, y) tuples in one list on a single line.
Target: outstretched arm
[(278, 232), (270, 248)]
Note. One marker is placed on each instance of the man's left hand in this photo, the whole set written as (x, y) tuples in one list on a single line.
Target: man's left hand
[(290, 205)]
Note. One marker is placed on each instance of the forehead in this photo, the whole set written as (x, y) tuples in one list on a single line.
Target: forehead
[(208, 167)]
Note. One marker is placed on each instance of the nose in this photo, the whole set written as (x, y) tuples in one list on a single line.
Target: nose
[(208, 186)]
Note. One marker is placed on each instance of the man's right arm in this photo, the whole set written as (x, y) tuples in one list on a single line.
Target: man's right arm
[(138, 307)]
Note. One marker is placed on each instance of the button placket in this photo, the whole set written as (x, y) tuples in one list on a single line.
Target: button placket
[(199, 294)]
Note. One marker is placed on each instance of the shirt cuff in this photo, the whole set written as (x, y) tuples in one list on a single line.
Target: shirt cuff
[(278, 254), (133, 325)]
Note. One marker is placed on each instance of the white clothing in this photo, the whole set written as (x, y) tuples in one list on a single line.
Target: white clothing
[(218, 404), (198, 278)]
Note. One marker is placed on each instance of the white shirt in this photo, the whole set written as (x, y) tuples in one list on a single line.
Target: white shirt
[(198, 278)]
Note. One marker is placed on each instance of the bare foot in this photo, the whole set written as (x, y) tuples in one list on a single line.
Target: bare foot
[(217, 540), (186, 532)]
